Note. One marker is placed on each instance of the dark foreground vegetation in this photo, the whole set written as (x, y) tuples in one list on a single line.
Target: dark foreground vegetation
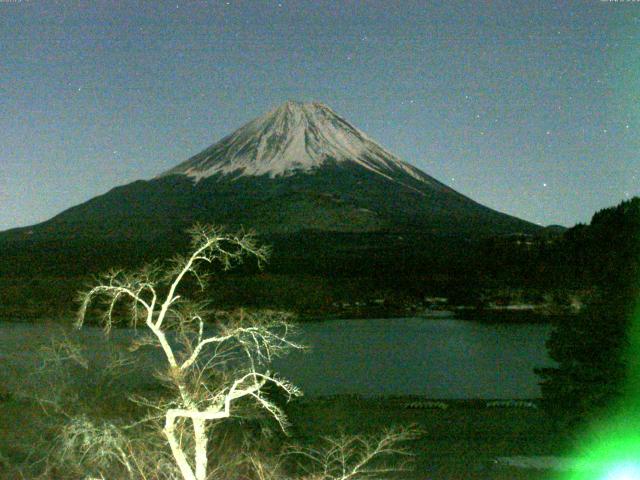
[(461, 441)]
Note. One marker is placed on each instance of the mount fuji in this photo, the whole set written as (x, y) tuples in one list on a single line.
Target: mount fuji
[(296, 138), (298, 170)]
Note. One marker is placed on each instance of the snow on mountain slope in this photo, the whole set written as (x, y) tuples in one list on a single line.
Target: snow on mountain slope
[(295, 137)]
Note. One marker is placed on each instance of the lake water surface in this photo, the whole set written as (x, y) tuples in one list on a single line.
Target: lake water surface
[(437, 358)]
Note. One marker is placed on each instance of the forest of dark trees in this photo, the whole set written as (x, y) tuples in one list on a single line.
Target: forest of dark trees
[(310, 273), (592, 349)]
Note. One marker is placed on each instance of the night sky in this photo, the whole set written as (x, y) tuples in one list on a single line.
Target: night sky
[(529, 107)]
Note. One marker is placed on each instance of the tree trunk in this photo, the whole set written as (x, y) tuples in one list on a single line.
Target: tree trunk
[(200, 434), (176, 449)]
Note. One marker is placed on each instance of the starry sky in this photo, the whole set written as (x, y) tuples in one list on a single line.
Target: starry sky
[(529, 107)]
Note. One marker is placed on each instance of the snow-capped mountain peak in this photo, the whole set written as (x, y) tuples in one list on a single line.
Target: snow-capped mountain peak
[(295, 137)]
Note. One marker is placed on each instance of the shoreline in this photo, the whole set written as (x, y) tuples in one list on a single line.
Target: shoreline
[(491, 315)]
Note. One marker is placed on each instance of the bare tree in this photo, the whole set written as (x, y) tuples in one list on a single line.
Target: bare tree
[(357, 457), (211, 368)]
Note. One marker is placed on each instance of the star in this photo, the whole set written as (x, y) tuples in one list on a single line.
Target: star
[(544, 185), (548, 132)]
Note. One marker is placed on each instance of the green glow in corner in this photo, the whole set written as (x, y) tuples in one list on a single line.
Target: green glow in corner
[(611, 450), (623, 471)]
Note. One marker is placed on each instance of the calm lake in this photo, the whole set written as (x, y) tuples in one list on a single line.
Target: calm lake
[(437, 358)]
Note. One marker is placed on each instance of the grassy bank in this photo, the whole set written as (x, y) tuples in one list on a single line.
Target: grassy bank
[(460, 439)]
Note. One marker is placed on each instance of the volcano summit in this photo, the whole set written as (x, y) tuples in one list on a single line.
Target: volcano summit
[(294, 138)]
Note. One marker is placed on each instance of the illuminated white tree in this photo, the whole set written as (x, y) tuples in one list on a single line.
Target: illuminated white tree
[(358, 457), (211, 368)]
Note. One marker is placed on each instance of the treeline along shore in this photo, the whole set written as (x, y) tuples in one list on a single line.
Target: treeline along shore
[(324, 275)]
